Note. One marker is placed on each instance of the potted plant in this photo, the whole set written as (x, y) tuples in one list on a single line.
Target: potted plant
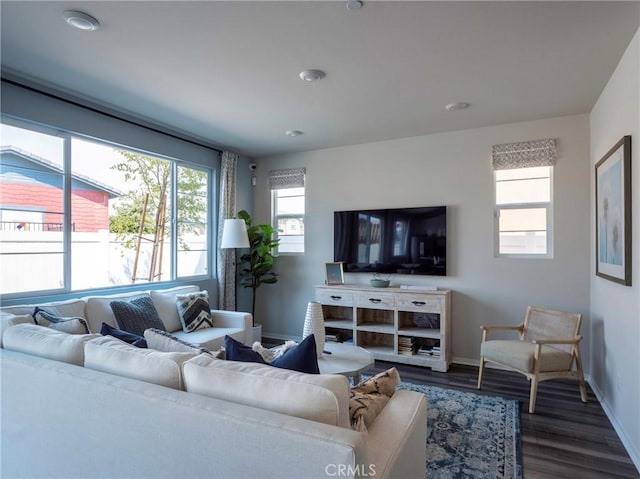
[(257, 263)]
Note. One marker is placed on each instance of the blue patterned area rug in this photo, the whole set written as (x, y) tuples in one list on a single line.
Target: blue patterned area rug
[(470, 435)]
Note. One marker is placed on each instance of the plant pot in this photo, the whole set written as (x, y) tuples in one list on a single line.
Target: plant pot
[(257, 333)]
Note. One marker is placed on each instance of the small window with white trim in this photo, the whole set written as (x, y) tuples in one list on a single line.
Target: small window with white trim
[(523, 175), (288, 208)]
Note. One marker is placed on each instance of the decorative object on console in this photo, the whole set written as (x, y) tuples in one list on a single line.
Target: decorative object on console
[(136, 315), (259, 260), (127, 337), (334, 273), (314, 324), (378, 282), (613, 213), (194, 311), (66, 325)]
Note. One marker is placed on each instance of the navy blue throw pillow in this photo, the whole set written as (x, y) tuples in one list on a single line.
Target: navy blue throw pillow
[(125, 336), (303, 358), (236, 351)]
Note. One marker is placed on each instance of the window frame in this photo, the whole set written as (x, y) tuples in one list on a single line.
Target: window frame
[(547, 206), (275, 217), (67, 177)]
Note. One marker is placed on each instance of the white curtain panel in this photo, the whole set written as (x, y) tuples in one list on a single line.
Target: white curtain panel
[(226, 257)]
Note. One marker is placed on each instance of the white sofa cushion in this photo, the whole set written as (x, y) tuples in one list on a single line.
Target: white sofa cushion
[(318, 397), (165, 302), (110, 355), (8, 319), (98, 309), (210, 338), (167, 342), (72, 308), (47, 343)]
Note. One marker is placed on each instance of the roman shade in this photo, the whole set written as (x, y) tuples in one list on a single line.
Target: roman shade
[(286, 178), (524, 154)]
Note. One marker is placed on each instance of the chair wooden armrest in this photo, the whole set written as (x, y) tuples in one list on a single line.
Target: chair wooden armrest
[(541, 342), (487, 329), (519, 327)]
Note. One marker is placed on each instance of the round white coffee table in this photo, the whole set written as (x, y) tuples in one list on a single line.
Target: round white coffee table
[(345, 359)]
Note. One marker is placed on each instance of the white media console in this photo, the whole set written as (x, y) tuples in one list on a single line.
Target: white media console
[(399, 325)]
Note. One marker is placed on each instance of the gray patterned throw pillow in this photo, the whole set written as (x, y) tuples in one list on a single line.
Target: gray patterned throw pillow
[(136, 315), (66, 325), (194, 311)]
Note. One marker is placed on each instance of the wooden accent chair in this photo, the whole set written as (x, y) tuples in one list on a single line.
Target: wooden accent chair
[(548, 347)]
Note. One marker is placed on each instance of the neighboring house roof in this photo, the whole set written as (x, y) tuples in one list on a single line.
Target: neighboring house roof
[(46, 164)]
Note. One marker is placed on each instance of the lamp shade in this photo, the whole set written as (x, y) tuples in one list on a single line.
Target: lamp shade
[(234, 234)]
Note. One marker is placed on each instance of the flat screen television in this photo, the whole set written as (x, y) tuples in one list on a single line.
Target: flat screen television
[(392, 241)]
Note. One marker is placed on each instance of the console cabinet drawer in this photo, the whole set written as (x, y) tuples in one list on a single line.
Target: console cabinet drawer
[(334, 298), (375, 300), (419, 303)]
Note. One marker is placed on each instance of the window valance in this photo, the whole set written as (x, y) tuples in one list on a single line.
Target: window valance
[(524, 154), (286, 178)]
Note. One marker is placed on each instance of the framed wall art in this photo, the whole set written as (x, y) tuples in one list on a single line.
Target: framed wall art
[(334, 273), (613, 213)]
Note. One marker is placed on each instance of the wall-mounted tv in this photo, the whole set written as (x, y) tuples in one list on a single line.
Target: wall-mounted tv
[(392, 241)]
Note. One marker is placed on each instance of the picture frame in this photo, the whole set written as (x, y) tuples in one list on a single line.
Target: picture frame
[(334, 273), (613, 213)]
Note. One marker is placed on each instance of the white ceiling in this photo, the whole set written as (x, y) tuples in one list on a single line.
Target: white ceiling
[(227, 72)]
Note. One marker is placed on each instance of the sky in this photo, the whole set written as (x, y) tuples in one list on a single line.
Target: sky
[(90, 159)]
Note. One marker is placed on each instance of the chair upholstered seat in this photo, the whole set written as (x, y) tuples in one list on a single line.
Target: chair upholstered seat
[(521, 355)]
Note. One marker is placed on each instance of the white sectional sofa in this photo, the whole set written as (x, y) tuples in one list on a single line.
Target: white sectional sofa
[(87, 406), (97, 310)]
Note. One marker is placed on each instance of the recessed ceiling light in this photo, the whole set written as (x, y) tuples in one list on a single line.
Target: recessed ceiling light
[(354, 5), (460, 105), (293, 133), (312, 75), (81, 20)]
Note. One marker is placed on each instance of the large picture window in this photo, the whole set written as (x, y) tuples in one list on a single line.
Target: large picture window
[(79, 214)]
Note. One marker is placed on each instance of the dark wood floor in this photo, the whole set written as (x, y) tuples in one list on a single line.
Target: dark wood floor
[(565, 438)]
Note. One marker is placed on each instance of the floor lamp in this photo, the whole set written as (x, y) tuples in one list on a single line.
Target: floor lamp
[(234, 236)]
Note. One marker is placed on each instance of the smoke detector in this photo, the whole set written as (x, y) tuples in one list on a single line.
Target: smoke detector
[(312, 75), (81, 20)]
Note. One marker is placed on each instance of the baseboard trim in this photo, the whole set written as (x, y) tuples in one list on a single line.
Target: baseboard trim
[(634, 454)]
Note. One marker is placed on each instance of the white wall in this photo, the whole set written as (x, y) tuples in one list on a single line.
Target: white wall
[(450, 169), (615, 309)]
